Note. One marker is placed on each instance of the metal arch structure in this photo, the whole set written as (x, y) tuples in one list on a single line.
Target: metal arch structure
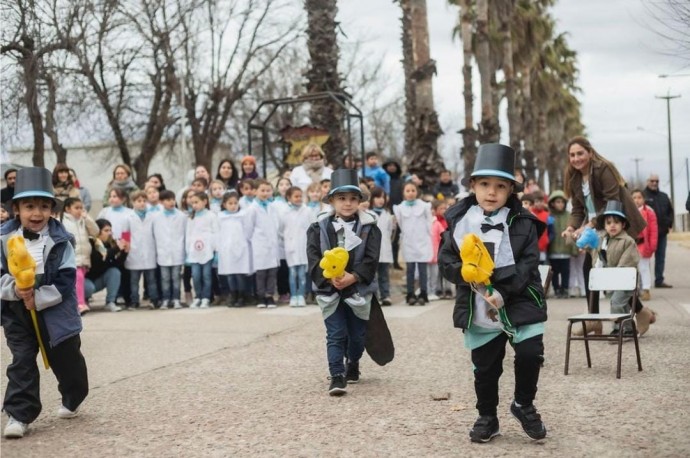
[(261, 124)]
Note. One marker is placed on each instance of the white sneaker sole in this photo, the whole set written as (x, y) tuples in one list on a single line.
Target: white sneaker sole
[(337, 391)]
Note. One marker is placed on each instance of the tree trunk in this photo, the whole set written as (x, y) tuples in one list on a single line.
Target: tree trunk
[(421, 119), (323, 74), (50, 128), (468, 151), (31, 98), (489, 127), (506, 14), (528, 123)]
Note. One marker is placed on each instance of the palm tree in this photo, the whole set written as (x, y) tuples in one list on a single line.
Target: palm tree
[(489, 131), (468, 151), (323, 74), (422, 128)]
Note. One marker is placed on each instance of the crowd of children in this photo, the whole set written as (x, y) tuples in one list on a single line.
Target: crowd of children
[(238, 242)]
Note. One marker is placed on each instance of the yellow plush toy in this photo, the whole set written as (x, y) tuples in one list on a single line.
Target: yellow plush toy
[(477, 265), (23, 268), (334, 262)]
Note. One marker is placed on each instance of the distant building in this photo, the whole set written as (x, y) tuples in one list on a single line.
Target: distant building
[(94, 164)]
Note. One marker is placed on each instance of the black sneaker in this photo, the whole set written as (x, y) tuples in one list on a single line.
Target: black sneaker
[(352, 374), (530, 420), (338, 386), (423, 299), (411, 299), (386, 301), (484, 429)]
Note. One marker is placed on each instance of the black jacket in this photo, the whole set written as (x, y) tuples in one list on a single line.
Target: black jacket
[(519, 284), (114, 258), (366, 270), (663, 208), (449, 189), (397, 182)]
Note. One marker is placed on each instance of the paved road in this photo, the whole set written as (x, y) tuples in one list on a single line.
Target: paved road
[(239, 382)]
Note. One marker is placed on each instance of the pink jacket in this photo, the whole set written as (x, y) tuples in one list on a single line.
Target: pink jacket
[(648, 236), (438, 227)]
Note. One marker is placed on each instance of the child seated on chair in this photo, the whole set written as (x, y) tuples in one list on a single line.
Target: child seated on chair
[(617, 249)]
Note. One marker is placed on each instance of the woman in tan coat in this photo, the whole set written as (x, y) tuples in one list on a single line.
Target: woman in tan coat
[(591, 181)]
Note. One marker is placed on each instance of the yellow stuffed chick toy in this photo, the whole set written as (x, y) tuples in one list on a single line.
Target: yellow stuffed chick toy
[(334, 262), (20, 263)]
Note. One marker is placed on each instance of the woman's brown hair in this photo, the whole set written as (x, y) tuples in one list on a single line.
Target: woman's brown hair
[(61, 167), (570, 171)]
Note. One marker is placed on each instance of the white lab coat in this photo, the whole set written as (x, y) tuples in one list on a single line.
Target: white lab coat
[(294, 225), (142, 249), (415, 222), (117, 218), (169, 233), (281, 207), (201, 237), (265, 223), (232, 243), (386, 223)]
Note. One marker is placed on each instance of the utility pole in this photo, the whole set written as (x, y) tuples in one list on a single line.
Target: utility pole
[(668, 98), (637, 169)]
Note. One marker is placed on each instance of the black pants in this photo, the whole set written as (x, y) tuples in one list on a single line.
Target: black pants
[(22, 396), (561, 273), (586, 267), (283, 278), (488, 363)]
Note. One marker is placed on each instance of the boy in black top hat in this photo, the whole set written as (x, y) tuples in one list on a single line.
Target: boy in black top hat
[(52, 299), (495, 214), (346, 302)]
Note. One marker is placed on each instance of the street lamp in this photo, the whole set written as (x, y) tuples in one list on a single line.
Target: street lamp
[(668, 98)]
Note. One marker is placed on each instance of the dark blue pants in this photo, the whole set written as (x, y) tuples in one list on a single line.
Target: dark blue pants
[(421, 266), (345, 334), (660, 259)]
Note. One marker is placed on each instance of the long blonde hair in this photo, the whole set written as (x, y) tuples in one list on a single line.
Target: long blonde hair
[(570, 171)]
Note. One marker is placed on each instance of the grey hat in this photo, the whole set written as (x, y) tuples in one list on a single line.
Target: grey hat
[(344, 180), (34, 182), (613, 207), (495, 160)]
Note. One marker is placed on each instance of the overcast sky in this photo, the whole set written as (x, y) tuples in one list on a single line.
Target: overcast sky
[(620, 60)]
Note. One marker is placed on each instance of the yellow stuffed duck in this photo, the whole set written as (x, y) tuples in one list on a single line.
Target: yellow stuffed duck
[(23, 268), (477, 264), (20, 263), (334, 262)]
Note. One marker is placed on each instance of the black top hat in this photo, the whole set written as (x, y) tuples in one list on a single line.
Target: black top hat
[(495, 160), (344, 180), (34, 182), (613, 207)]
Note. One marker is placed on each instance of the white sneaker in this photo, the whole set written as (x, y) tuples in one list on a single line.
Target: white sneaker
[(165, 304), (15, 428), (176, 304), (261, 305), (271, 306), (64, 412), (112, 307), (433, 297), (301, 302), (195, 304), (293, 301), (205, 303)]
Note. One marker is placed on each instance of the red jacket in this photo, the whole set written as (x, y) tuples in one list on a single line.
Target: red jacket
[(543, 216), (647, 239), (438, 227)]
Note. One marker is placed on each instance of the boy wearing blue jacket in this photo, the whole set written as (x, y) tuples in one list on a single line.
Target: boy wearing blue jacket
[(54, 300)]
